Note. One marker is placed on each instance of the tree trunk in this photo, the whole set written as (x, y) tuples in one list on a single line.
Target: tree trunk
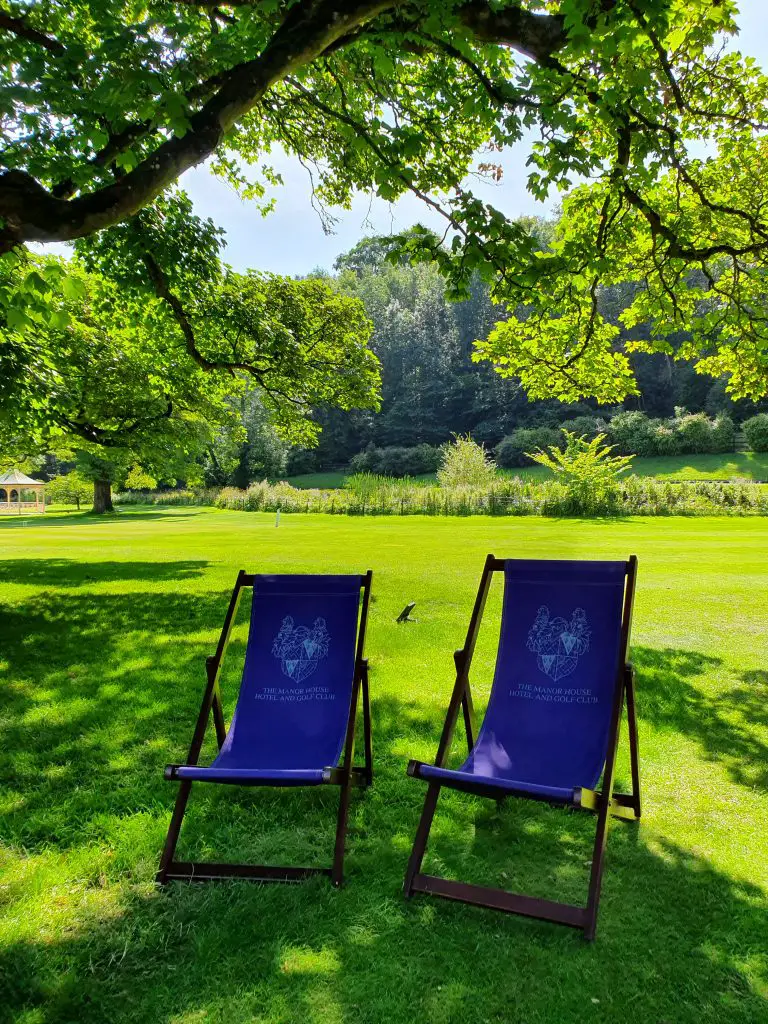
[(102, 496)]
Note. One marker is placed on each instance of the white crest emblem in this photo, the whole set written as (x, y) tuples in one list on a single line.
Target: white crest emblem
[(558, 644), (299, 648)]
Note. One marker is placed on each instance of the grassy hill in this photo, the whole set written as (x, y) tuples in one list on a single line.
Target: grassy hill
[(731, 466)]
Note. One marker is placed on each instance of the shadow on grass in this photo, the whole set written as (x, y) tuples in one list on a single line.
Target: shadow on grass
[(102, 690), (97, 690), (89, 518), (725, 725), (71, 572), (685, 940), (153, 512)]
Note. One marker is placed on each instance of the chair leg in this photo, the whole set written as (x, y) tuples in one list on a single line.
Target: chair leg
[(237, 871), (596, 873), (337, 872), (469, 718), (174, 829), (367, 730), (634, 753), (422, 837)]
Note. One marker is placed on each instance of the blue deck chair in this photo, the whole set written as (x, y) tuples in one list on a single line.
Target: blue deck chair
[(551, 729), (294, 723)]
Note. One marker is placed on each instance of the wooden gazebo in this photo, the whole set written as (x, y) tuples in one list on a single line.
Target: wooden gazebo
[(15, 489)]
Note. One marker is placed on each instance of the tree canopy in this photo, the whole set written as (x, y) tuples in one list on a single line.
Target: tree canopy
[(300, 342), (108, 375), (433, 388), (103, 383), (652, 128)]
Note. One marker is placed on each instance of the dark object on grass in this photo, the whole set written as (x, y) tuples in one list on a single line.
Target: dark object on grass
[(294, 724), (551, 729), (404, 615)]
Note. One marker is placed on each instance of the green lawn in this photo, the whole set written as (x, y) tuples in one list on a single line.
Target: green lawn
[(737, 465), (105, 625), (334, 478)]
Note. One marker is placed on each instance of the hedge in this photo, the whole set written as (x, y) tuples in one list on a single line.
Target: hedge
[(511, 450), (397, 462), (756, 431), (633, 433)]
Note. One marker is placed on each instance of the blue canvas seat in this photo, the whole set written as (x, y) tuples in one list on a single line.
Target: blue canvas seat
[(550, 731), (294, 722)]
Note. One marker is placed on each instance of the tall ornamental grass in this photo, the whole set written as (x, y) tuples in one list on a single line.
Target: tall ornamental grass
[(366, 494), (465, 463)]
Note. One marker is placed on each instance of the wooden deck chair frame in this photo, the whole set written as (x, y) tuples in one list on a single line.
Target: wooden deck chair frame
[(606, 803), (347, 775)]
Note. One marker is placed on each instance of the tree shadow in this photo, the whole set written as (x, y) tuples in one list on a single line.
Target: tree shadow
[(103, 690), (71, 572), (686, 941), (724, 724), (97, 690), (167, 514)]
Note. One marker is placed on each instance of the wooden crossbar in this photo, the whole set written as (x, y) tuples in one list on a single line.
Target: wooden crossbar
[(188, 871), (499, 899)]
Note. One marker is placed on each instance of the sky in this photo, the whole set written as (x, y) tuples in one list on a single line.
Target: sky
[(291, 239)]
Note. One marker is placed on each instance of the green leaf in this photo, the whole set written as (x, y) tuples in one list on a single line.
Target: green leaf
[(74, 288), (17, 319), (59, 319)]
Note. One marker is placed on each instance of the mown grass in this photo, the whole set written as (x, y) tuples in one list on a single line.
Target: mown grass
[(105, 625), (332, 478), (732, 466)]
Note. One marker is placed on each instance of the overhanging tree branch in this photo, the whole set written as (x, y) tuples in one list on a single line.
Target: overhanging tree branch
[(32, 213), (111, 438), (218, 3), (164, 291), (536, 35), (20, 27), (676, 249)]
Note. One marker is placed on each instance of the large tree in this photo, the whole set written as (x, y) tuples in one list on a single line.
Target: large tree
[(300, 342), (106, 104), (101, 384), (109, 375)]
